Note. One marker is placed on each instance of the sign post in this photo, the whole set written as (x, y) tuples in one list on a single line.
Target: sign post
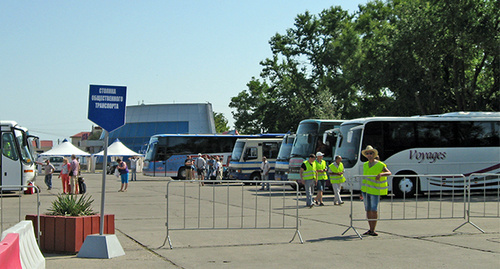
[(106, 109)]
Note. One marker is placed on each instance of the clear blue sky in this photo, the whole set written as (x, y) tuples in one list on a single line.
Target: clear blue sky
[(163, 51)]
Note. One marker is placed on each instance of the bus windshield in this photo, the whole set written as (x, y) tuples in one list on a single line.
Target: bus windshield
[(237, 150), (286, 148), (348, 144), (305, 140), (24, 147), (151, 151)]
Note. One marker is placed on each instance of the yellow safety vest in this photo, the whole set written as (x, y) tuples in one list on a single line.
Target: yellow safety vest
[(370, 185), (321, 166), (336, 179), (310, 172)]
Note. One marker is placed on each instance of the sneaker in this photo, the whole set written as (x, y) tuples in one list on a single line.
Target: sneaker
[(311, 206), (368, 232), (49, 188), (321, 204), (342, 202), (316, 202), (373, 233)]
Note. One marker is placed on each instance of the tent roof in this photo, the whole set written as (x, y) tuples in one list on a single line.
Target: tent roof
[(65, 149), (118, 149)]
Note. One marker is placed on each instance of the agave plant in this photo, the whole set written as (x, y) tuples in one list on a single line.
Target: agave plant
[(70, 205)]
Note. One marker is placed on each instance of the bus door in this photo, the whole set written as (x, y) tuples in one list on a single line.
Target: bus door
[(10, 164)]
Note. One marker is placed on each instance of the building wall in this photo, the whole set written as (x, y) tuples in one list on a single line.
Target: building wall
[(143, 121)]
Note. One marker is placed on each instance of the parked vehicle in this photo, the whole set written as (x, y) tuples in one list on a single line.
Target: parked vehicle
[(247, 157), (452, 143)]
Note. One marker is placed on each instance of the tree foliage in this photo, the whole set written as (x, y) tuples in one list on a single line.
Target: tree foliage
[(400, 57), (221, 123)]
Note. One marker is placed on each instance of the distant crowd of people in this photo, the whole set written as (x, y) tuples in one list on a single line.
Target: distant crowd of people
[(205, 167), (70, 172)]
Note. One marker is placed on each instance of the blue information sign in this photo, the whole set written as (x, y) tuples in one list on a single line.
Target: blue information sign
[(107, 106)]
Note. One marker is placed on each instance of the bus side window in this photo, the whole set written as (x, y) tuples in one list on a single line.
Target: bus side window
[(270, 150), (250, 154), (8, 146), (160, 154)]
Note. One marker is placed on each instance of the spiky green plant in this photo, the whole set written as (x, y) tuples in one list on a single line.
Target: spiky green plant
[(70, 205)]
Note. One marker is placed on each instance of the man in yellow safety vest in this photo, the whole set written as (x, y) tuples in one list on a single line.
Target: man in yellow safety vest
[(337, 178), (308, 175), (321, 170)]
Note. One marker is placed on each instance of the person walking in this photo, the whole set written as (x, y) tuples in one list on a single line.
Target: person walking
[(308, 175), (374, 185), (64, 176), (188, 168), (210, 168), (265, 167), (200, 165), (219, 170), (49, 170), (123, 169), (133, 168), (73, 174), (337, 178), (321, 170)]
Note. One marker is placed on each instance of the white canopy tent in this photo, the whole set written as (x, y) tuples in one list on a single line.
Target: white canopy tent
[(65, 149), (118, 149)]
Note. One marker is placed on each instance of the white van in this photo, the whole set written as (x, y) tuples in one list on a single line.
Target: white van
[(57, 162), (247, 157)]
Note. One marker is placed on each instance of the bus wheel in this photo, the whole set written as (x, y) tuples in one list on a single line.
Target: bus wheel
[(255, 177), (181, 174), (405, 186)]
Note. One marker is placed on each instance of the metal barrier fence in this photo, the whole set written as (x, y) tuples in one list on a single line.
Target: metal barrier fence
[(486, 204), (229, 204), (20, 190), (447, 203)]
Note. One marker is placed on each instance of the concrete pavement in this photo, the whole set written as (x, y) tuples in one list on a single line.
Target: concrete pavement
[(140, 216)]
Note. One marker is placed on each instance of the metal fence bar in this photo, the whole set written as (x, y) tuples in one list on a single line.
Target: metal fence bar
[(485, 183), (451, 182), (230, 190), (20, 189)]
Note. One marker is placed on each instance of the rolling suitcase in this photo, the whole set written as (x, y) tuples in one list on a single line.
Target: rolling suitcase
[(81, 185)]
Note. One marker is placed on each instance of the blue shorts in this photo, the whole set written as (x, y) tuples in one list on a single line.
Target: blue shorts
[(124, 178), (371, 201), (321, 185)]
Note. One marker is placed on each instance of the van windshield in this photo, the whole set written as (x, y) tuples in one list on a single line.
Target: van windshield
[(238, 150)]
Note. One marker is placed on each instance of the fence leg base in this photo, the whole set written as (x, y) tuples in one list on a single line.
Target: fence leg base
[(354, 229), (471, 223), (297, 232), (167, 238)]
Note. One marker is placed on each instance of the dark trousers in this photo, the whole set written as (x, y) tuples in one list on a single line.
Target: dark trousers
[(48, 180)]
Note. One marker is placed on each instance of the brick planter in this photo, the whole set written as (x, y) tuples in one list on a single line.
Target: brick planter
[(60, 234)]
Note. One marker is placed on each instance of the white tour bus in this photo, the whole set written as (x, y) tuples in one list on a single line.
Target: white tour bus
[(452, 143), (17, 164), (247, 157)]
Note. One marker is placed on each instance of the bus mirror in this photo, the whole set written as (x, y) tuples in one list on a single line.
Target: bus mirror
[(34, 140)]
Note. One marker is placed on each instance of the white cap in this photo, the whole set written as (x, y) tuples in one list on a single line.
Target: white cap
[(319, 154)]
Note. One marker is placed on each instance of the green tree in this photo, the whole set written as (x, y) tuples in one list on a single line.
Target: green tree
[(221, 123), (399, 57)]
